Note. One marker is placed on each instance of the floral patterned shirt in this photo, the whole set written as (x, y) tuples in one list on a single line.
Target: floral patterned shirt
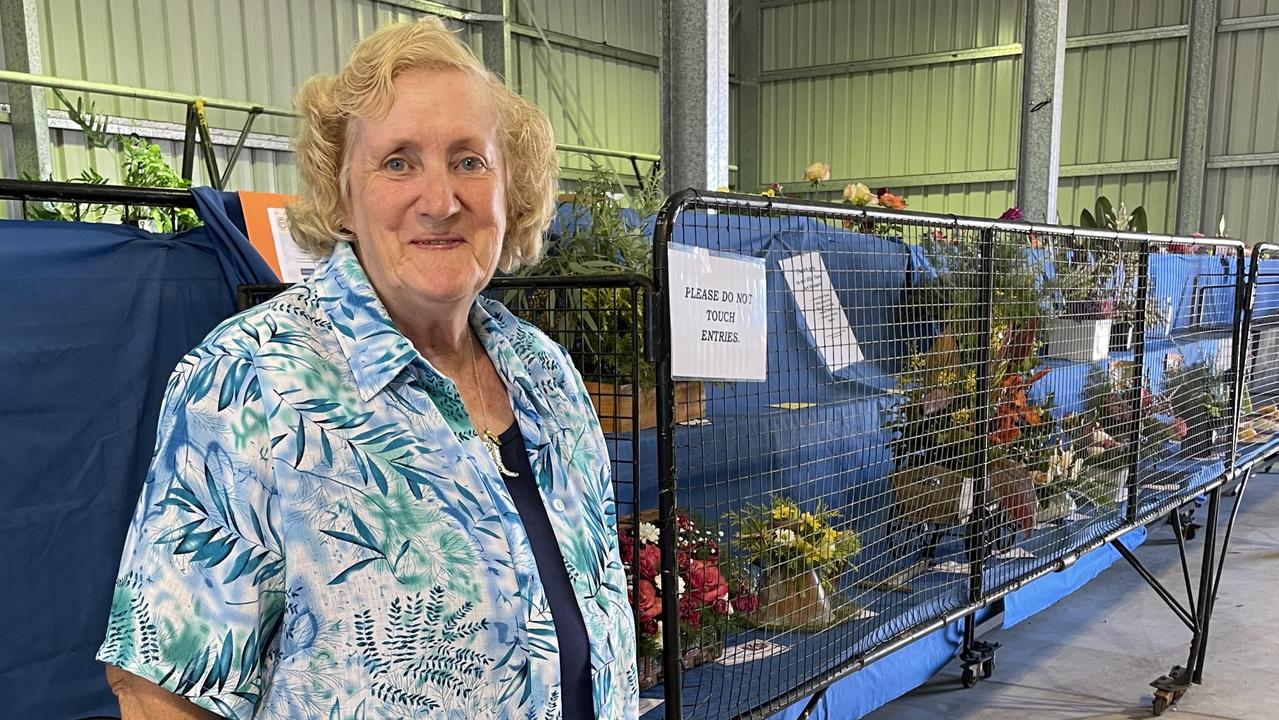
[(322, 535)]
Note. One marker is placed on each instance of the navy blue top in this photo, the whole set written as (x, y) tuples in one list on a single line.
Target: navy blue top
[(575, 650)]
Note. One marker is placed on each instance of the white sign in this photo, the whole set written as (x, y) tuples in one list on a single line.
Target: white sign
[(719, 315), (827, 324), (295, 266)]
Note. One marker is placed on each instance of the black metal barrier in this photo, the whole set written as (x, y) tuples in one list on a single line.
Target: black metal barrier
[(951, 409)]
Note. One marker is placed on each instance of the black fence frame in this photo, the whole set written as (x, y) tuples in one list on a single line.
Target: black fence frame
[(1196, 613), (976, 655)]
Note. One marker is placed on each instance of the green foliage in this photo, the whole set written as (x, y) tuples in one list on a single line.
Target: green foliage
[(143, 165), (1106, 217), (601, 327), (1198, 393)]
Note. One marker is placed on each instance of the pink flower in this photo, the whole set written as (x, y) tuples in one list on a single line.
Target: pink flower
[(1014, 214), (1179, 429), (721, 606), (747, 603), (705, 582)]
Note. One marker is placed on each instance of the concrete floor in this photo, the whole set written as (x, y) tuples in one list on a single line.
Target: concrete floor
[(1091, 655)]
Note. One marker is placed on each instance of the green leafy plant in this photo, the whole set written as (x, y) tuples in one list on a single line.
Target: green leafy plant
[(143, 165), (1106, 216), (601, 327)]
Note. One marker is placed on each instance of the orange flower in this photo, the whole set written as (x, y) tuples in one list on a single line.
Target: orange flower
[(892, 202)]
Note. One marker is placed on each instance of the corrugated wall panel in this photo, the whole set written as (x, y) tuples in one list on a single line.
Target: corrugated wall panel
[(1248, 198), (1245, 122), (1231, 9), (1093, 17), (629, 24), (906, 121), (591, 100), (1156, 191), (250, 50), (838, 31)]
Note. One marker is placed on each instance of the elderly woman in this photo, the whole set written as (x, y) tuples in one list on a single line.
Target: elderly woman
[(379, 495)]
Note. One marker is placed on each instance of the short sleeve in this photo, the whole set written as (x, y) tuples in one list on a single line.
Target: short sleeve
[(199, 594)]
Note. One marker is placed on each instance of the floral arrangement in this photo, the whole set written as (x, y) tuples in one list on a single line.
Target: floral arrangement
[(934, 430), (1099, 438), (784, 538), (711, 593)]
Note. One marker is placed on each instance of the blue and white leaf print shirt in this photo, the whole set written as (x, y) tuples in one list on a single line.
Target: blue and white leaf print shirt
[(321, 534)]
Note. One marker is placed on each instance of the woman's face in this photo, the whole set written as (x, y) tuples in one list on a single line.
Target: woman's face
[(427, 193)]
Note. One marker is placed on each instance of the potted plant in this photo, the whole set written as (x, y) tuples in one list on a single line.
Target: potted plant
[(603, 328), (1198, 395), (799, 553), (1124, 259), (713, 594)]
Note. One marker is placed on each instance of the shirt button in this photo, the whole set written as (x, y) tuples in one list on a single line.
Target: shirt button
[(558, 504)]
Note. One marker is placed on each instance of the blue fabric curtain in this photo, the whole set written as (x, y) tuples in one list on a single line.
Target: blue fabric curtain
[(95, 318)]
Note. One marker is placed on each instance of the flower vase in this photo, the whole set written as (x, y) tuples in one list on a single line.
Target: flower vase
[(651, 668), (793, 601), (650, 671), (1056, 507)]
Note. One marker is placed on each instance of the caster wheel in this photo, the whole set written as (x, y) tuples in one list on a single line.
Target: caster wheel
[(1163, 700), (969, 678), (988, 668)]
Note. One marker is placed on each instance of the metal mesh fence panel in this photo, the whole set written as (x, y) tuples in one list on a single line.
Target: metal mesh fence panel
[(1258, 435), (950, 409)]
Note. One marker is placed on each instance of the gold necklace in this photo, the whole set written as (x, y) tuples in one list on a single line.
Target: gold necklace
[(489, 440)]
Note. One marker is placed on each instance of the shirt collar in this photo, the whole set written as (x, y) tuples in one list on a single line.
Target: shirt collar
[(374, 347)]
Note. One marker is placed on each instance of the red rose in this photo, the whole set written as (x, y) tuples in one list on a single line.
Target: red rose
[(684, 522), (650, 605), (649, 628), (650, 561), (721, 606), (706, 582), (747, 603), (626, 546), (690, 612), (683, 558)]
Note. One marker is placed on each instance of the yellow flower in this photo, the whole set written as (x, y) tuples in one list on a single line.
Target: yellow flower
[(961, 417), (818, 172), (769, 192), (831, 535), (785, 512), (809, 521), (857, 194)]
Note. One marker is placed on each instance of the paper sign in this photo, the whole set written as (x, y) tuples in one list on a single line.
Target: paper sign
[(822, 312), (750, 652), (268, 227), (719, 315)]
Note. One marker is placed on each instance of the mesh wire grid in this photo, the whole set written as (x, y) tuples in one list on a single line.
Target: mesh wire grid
[(988, 400), (1258, 436)]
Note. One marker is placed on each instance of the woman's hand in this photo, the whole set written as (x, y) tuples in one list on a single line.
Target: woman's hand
[(144, 700)]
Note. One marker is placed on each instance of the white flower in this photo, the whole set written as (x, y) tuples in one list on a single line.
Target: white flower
[(657, 582), (784, 536), (648, 533), (658, 636), (818, 172), (681, 587)]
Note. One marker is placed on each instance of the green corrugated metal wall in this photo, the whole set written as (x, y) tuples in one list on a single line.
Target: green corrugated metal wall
[(943, 129)]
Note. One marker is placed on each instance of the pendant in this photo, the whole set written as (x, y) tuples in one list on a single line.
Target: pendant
[(495, 452)]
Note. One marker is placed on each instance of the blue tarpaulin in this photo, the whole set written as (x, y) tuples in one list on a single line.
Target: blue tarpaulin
[(96, 317)]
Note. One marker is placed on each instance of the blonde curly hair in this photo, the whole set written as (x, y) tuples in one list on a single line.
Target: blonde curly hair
[(364, 88)]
